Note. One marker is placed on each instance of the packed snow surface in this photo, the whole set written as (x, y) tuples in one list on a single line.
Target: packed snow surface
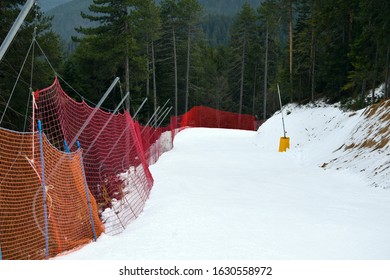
[(229, 194)]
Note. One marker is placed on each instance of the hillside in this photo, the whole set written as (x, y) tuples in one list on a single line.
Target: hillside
[(47, 5), (66, 16), (330, 138)]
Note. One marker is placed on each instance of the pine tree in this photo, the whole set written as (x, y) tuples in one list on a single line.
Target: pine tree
[(305, 50), (243, 37), (369, 52), (37, 72), (336, 31), (110, 49), (148, 28), (190, 12), (170, 19)]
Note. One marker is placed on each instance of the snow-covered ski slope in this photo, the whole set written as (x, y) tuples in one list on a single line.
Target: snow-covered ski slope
[(229, 194)]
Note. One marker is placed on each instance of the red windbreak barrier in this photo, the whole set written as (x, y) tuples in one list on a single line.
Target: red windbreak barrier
[(111, 147), (201, 116), (156, 141)]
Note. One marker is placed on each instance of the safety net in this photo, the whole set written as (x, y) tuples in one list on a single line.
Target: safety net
[(202, 116), (116, 170), (28, 171), (85, 172)]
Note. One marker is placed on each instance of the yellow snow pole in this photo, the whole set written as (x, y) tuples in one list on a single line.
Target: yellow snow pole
[(284, 141), (284, 144)]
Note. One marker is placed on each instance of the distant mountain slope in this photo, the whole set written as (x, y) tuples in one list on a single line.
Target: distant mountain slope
[(66, 16), (47, 5), (226, 7)]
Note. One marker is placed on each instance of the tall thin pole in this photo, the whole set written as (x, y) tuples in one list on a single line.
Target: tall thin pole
[(93, 113), (44, 190), (15, 27), (291, 49), (281, 111), (127, 67), (106, 124), (140, 107), (87, 193), (188, 68), (165, 115), (265, 74)]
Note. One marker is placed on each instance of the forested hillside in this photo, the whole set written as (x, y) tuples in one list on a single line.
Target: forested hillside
[(216, 21), (47, 5), (175, 52), (226, 7)]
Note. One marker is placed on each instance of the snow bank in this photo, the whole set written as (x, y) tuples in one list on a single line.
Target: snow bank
[(329, 137)]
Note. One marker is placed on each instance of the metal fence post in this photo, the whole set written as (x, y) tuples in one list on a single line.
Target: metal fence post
[(87, 193), (44, 194)]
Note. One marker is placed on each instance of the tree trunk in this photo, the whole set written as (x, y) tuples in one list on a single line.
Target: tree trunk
[(188, 68), (148, 70), (254, 92), (127, 72), (374, 74), (265, 75), (154, 80), (387, 73), (242, 77), (363, 91), (175, 66), (291, 51), (313, 55)]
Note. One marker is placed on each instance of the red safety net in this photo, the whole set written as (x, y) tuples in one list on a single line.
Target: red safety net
[(201, 116), (156, 141), (115, 166)]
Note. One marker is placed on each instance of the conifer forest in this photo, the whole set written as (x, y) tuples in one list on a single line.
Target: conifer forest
[(189, 52)]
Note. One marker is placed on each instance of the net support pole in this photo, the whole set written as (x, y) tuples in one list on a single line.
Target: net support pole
[(140, 107), (93, 113), (44, 194), (161, 118), (15, 27), (158, 117), (106, 124), (165, 115), (87, 193), (123, 132)]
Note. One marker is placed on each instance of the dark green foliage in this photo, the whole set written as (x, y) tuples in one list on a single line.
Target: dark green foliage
[(40, 73), (218, 56)]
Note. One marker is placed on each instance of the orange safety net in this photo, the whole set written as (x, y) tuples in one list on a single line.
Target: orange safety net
[(22, 234)]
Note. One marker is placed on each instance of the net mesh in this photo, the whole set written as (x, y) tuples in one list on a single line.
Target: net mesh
[(116, 169), (111, 168), (21, 199), (201, 116)]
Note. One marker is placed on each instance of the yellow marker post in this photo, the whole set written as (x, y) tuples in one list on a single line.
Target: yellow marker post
[(284, 141), (284, 144)]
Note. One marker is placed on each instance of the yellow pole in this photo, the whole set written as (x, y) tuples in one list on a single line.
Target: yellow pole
[(284, 141), (284, 144)]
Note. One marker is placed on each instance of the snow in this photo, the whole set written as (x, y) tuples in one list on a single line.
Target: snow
[(229, 194)]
